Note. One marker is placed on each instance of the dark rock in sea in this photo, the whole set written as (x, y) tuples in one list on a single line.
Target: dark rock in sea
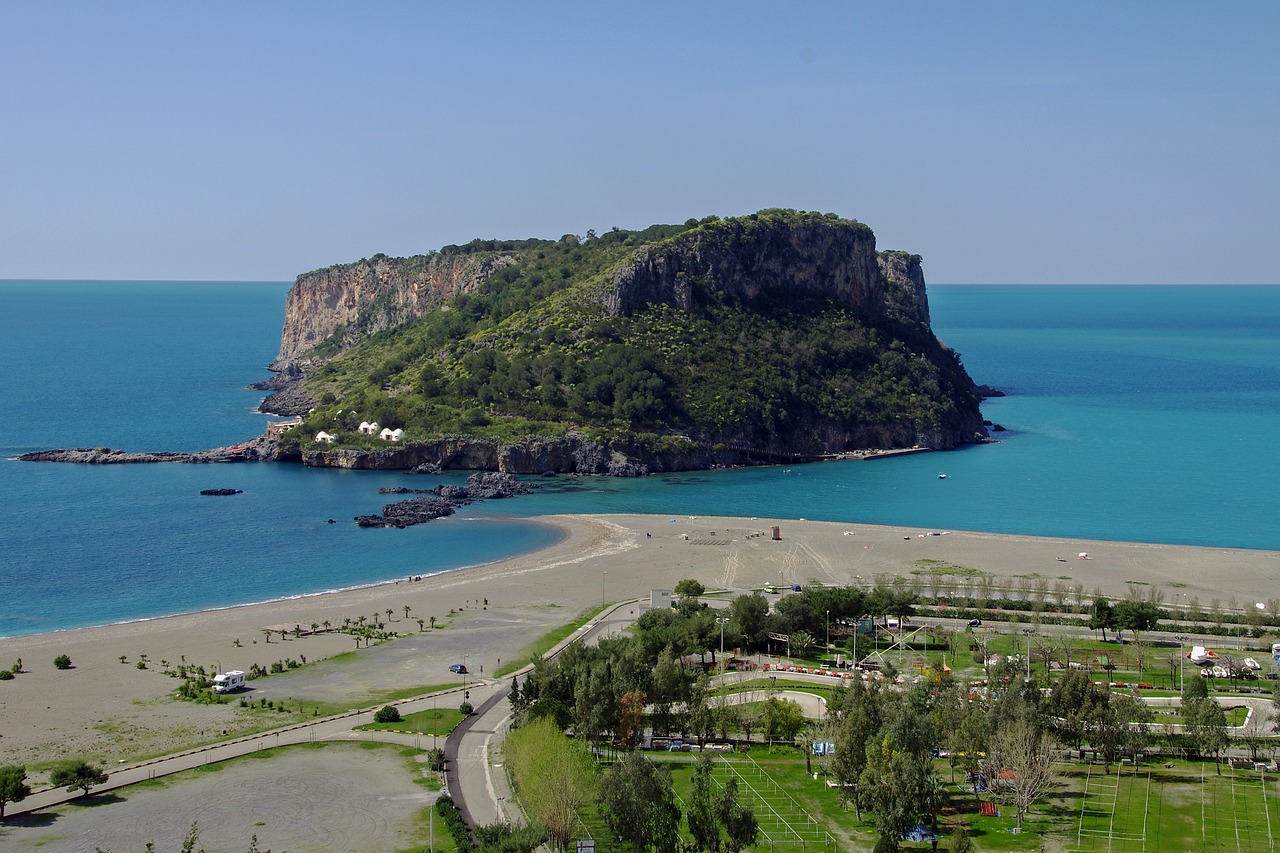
[(425, 468), (548, 473), (404, 490), (408, 513), (221, 492), (997, 428), (484, 485), (988, 391)]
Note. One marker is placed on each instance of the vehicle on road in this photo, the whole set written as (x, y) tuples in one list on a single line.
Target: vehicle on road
[(975, 623), (458, 668)]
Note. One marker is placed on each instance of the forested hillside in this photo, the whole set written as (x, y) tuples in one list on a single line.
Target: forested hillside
[(780, 332)]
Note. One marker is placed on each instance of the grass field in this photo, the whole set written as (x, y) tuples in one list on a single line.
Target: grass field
[(1151, 809)]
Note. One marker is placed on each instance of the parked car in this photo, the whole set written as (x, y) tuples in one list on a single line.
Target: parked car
[(975, 623), (458, 668)]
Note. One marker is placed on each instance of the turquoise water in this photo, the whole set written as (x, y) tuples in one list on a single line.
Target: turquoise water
[(1135, 413)]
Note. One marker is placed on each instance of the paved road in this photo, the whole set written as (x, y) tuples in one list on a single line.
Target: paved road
[(477, 789)]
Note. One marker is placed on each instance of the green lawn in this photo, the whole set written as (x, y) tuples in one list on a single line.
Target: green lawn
[(437, 721)]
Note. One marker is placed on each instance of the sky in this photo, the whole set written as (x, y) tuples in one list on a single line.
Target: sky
[(1079, 142)]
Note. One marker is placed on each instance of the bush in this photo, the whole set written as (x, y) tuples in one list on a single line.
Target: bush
[(387, 714), (62, 662), (448, 811), (6, 675), (466, 709)]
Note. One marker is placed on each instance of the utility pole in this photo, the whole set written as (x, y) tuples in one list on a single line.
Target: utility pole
[(1182, 660), (721, 620), (1028, 632)]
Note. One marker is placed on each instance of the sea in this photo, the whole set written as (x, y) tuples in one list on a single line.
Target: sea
[(1135, 413)]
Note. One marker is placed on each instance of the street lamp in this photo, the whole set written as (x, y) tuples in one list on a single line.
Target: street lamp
[(1182, 660), (603, 577), (1028, 632), (828, 649), (722, 621)]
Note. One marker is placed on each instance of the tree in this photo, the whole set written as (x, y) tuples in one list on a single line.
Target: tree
[(553, 775), (62, 662), (701, 815), (1206, 723), (387, 714), (748, 613), (1101, 616), (741, 828), (639, 804), (689, 588), (782, 719), (1019, 765), (77, 774), (630, 728), (13, 786), (896, 789)]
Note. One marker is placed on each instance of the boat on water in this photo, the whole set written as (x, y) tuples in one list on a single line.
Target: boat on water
[(942, 476)]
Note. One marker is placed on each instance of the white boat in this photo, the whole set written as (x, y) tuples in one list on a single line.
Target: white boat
[(942, 476), (1201, 655), (1252, 664)]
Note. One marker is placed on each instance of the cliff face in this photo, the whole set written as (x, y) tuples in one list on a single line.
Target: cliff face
[(745, 259), (369, 296)]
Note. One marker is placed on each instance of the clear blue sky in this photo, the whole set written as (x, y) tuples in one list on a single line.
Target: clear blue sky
[(1012, 142)]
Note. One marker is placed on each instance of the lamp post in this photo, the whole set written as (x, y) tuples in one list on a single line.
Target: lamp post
[(722, 620), (1182, 659), (603, 576), (1028, 632), (828, 647)]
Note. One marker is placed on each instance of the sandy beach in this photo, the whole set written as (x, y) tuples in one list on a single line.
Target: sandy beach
[(114, 712)]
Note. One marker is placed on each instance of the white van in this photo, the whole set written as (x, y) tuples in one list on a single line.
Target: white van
[(226, 682)]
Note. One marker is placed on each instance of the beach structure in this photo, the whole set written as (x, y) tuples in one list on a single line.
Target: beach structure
[(368, 427), (276, 428), (389, 434), (325, 437)]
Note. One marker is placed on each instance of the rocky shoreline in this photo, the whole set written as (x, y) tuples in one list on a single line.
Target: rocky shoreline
[(482, 485)]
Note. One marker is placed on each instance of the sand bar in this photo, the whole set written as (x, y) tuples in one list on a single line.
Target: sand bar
[(114, 712)]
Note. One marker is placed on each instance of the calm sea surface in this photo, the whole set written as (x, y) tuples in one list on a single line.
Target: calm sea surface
[(1134, 413)]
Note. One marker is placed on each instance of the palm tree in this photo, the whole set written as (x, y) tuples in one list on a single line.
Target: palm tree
[(389, 612), (420, 623), (407, 608), (432, 620)]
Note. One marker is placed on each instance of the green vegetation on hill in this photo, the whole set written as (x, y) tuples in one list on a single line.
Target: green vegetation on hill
[(534, 352)]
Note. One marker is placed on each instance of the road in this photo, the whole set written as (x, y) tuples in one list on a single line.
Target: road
[(482, 795)]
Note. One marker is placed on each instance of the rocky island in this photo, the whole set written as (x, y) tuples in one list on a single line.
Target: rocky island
[(779, 337)]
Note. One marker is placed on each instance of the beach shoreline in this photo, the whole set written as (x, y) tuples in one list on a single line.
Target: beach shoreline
[(112, 710)]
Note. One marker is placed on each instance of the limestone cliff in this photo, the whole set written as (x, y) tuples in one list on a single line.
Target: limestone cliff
[(353, 301), (745, 259)]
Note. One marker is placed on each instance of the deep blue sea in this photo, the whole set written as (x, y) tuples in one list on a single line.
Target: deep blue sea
[(1144, 413)]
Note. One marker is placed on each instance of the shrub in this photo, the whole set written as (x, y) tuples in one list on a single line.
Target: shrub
[(466, 709), (6, 675), (386, 714), (62, 662)]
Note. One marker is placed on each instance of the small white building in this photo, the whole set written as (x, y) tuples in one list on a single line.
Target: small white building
[(326, 437), (389, 434), (369, 428), (397, 434)]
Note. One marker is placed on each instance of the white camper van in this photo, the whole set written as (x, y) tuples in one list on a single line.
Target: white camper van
[(225, 682)]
